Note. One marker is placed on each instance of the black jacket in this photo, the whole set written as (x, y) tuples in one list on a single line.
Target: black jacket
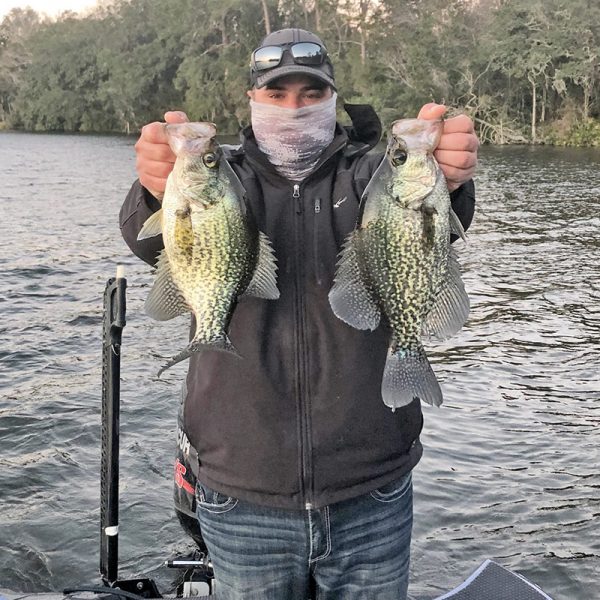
[(299, 420)]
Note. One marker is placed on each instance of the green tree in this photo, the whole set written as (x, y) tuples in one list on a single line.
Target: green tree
[(16, 27), (580, 64), (59, 88), (214, 71), (517, 66)]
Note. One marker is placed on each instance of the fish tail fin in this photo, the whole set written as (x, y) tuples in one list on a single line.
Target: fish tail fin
[(220, 343), (408, 375)]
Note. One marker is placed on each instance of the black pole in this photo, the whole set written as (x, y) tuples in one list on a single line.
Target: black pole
[(113, 323)]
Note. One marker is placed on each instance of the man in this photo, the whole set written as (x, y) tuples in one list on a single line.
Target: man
[(304, 476)]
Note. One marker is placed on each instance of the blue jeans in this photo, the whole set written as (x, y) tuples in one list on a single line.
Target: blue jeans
[(350, 550)]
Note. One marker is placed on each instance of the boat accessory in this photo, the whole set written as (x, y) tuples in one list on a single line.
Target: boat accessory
[(197, 571)]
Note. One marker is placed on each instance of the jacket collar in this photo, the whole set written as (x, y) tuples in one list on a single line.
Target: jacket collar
[(365, 131)]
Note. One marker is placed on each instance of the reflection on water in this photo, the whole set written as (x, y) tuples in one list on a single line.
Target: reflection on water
[(511, 468)]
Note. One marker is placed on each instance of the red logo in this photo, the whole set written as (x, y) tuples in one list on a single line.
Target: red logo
[(180, 482)]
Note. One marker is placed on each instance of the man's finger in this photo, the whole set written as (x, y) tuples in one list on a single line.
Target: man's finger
[(458, 160), (156, 185), (461, 142), (154, 133), (159, 169), (457, 174), (175, 116), (154, 151), (432, 111), (459, 124)]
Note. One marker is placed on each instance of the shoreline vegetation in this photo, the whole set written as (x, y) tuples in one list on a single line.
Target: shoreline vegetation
[(526, 71)]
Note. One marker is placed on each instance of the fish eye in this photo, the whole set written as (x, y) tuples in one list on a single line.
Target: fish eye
[(210, 160), (399, 157)]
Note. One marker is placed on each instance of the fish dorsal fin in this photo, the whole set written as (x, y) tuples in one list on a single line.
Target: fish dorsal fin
[(264, 280), (152, 226), (451, 307), (349, 298), (165, 300)]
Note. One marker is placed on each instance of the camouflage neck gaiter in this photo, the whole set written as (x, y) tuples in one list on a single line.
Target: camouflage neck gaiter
[(293, 139)]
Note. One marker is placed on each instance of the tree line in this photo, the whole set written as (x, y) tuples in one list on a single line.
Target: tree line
[(527, 71)]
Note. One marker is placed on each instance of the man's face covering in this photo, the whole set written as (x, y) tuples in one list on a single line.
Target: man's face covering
[(293, 139)]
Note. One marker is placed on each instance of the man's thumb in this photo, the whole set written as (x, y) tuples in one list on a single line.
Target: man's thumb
[(432, 111), (175, 116)]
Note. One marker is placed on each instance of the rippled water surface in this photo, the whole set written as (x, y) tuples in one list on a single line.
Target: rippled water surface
[(512, 462)]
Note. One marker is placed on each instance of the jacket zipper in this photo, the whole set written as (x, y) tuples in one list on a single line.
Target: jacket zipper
[(316, 240), (305, 444), (296, 196)]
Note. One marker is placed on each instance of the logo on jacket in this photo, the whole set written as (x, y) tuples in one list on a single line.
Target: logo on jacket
[(180, 481), (340, 202), (182, 441)]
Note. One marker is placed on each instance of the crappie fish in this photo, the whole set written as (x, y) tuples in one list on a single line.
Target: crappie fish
[(398, 262), (213, 252)]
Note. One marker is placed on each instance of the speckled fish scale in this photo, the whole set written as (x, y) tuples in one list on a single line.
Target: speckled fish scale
[(398, 262), (213, 253)]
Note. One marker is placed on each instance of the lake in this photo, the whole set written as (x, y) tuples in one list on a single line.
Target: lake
[(511, 469)]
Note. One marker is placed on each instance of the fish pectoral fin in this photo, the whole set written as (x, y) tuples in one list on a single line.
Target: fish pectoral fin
[(152, 227), (349, 298), (451, 307), (456, 226), (264, 280), (165, 300), (428, 210), (232, 182), (375, 193)]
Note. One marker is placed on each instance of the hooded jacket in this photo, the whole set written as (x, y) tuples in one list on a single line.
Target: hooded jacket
[(298, 422)]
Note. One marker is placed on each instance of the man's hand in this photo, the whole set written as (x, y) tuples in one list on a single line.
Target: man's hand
[(457, 151), (155, 158)]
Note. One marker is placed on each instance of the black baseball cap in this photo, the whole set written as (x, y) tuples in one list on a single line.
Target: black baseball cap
[(288, 65)]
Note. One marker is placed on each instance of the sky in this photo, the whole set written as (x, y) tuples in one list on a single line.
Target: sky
[(50, 7)]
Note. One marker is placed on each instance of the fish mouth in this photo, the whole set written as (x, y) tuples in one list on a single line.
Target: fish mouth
[(191, 138)]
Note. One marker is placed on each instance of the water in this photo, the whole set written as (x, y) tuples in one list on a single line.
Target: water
[(511, 468)]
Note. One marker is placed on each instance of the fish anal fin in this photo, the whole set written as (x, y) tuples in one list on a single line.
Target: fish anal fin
[(451, 307), (264, 279), (165, 300), (349, 298)]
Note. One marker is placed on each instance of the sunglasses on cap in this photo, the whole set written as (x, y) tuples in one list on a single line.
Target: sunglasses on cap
[(303, 53)]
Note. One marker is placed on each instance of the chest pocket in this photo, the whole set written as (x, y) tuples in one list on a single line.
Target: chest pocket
[(344, 206), (332, 213)]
